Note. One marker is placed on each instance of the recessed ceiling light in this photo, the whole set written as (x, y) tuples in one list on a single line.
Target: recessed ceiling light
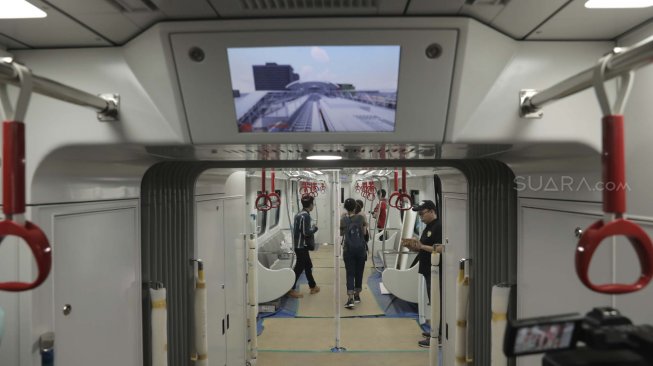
[(324, 157), (16, 9), (618, 4)]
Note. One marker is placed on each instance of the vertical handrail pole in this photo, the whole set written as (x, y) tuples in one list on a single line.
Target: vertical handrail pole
[(252, 292)]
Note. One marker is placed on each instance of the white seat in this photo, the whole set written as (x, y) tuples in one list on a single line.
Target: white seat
[(273, 283), (402, 283)]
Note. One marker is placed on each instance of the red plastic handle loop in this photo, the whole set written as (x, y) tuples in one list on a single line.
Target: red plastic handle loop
[(40, 247), (272, 178), (393, 200), (404, 202), (304, 190), (13, 167), (592, 238), (263, 202), (396, 181), (613, 159), (263, 181), (275, 199)]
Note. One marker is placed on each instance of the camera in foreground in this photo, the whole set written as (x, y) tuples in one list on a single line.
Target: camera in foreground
[(602, 337)]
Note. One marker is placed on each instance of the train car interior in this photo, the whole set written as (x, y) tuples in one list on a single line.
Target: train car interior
[(326, 182)]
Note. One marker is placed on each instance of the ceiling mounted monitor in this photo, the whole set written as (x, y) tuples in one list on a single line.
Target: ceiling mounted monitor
[(315, 88)]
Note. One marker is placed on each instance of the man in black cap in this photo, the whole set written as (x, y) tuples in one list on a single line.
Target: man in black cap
[(430, 241)]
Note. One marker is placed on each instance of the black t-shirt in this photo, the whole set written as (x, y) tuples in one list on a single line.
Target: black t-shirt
[(431, 235)]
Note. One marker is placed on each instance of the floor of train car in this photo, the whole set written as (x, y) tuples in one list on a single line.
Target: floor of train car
[(380, 331)]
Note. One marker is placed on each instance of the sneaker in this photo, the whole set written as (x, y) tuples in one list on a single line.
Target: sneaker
[(315, 290), (357, 298), (350, 303), (425, 343), (295, 294)]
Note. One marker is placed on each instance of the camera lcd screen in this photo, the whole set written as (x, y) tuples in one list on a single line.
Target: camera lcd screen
[(544, 337), (315, 88)]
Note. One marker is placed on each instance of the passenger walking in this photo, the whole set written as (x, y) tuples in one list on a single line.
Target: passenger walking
[(303, 240), (430, 241), (380, 210), (352, 230)]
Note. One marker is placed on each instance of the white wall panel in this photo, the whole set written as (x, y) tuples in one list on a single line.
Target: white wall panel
[(53, 124), (210, 247), (490, 72), (546, 278), (235, 268), (454, 234), (96, 269), (9, 301), (635, 306)]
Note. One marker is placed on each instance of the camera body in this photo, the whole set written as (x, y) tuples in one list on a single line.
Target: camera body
[(608, 339)]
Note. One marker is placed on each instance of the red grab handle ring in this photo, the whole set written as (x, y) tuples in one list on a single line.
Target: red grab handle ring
[(263, 202), (592, 238), (393, 200), (403, 202), (275, 200), (40, 247)]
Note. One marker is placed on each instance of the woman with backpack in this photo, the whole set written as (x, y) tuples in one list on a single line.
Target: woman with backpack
[(353, 228)]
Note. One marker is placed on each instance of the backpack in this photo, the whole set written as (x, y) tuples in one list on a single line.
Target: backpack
[(355, 237)]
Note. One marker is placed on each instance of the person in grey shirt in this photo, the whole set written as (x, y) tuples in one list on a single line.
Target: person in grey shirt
[(303, 240), (353, 228)]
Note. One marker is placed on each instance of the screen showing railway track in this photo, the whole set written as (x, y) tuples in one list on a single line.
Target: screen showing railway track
[(315, 88)]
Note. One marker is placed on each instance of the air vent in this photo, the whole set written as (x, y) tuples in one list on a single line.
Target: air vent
[(305, 4), (134, 6)]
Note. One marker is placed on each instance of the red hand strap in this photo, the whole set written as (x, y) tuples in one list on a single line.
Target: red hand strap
[(13, 167), (275, 199), (13, 196), (614, 201)]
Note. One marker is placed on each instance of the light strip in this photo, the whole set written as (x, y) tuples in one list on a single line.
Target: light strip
[(618, 4), (324, 157), (19, 9)]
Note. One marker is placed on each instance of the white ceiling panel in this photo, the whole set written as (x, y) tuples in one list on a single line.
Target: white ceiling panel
[(144, 19), (577, 22), (55, 30), (116, 27), (430, 7), (519, 18), (176, 9), (484, 11), (101, 16), (7, 42), (278, 8)]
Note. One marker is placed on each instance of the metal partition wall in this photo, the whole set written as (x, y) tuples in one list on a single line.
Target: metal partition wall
[(168, 238), (492, 217)]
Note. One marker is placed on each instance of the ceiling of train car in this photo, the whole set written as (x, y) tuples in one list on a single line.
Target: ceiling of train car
[(83, 23), (297, 154)]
